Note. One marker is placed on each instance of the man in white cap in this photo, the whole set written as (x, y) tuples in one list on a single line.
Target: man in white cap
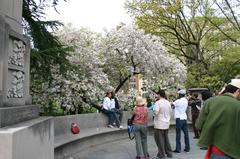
[(180, 106), (219, 122)]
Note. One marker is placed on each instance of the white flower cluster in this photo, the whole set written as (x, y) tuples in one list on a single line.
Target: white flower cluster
[(127, 47)]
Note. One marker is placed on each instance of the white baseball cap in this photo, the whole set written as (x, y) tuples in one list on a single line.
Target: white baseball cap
[(235, 83)]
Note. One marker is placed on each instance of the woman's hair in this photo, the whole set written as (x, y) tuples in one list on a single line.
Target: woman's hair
[(108, 93), (181, 95), (206, 94)]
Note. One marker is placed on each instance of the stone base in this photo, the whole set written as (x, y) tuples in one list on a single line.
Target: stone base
[(14, 115), (33, 139)]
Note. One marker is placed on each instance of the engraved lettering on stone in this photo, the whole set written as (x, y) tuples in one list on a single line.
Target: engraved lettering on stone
[(16, 89), (19, 49)]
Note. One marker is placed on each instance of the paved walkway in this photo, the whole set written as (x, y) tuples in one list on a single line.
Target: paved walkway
[(125, 149)]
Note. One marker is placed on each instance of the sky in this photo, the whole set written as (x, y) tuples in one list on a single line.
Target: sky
[(94, 14)]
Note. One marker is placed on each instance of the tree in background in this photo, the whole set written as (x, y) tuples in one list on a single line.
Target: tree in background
[(128, 50), (46, 50), (102, 63), (76, 66), (230, 11), (188, 33), (82, 85), (48, 54)]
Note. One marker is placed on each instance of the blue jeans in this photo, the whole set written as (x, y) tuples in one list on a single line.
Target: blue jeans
[(116, 118), (110, 115), (219, 157), (182, 125)]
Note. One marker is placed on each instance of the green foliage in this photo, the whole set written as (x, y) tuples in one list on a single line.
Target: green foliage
[(47, 53), (199, 37), (229, 65), (52, 109), (213, 83), (86, 108), (46, 50), (130, 105)]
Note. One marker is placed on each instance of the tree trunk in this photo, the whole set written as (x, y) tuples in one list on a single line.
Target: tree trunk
[(122, 83)]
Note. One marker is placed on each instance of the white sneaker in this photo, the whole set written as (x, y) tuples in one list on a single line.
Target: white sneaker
[(110, 126), (120, 127)]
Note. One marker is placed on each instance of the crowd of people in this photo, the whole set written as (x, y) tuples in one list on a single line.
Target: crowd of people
[(215, 121)]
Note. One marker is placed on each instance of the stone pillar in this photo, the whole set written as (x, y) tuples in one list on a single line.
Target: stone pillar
[(11, 10), (23, 134), (1, 75), (15, 100)]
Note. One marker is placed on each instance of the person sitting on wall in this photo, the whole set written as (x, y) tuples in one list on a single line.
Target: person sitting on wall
[(115, 107), (106, 109)]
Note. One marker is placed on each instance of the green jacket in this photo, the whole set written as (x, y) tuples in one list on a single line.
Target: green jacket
[(219, 122)]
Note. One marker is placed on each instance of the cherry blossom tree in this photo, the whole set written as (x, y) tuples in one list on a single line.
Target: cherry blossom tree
[(85, 82), (127, 48), (103, 63)]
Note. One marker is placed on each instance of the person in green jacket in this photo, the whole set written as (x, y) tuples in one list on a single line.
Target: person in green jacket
[(219, 123)]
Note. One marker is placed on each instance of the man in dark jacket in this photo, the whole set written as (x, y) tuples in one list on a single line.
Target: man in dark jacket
[(195, 104)]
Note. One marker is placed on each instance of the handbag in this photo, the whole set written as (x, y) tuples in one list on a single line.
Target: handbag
[(75, 129)]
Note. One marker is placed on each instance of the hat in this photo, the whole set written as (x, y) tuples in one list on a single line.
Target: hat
[(182, 91), (140, 100), (235, 83)]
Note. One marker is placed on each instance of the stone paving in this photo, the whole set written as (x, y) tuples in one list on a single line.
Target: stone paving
[(125, 149)]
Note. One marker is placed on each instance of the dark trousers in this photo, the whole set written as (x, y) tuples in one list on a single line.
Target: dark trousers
[(163, 144), (120, 114), (195, 114), (182, 125), (110, 115)]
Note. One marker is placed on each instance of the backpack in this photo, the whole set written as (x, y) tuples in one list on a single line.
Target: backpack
[(75, 129)]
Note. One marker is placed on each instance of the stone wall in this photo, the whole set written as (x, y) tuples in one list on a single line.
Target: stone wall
[(28, 140)]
